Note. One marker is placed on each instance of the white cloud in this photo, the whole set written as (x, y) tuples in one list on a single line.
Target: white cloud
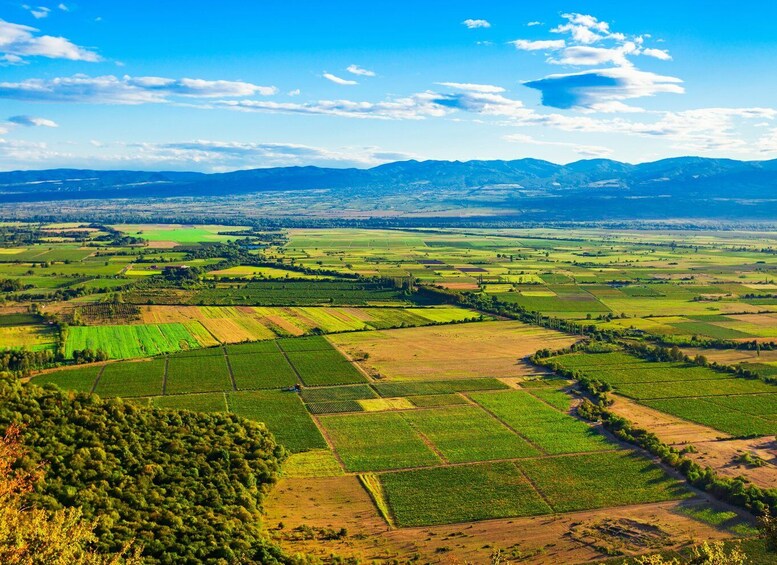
[(204, 155), (415, 107), (63, 7), (583, 150), (587, 88), (126, 90), (19, 41), (295, 92), (540, 45), (475, 24), (242, 155), (39, 13), (338, 80), (584, 55), (31, 121), (472, 87), (662, 54), (357, 70), (583, 28), (534, 23)]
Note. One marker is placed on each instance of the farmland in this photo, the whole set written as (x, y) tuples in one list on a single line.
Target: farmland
[(720, 400), (396, 369)]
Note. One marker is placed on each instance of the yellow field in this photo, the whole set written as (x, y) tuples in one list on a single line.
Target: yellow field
[(233, 324), (262, 273), (484, 349)]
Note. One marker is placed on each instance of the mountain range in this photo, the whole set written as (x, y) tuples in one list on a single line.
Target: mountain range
[(677, 187)]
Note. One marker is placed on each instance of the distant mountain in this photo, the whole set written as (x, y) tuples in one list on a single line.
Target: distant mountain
[(666, 188)]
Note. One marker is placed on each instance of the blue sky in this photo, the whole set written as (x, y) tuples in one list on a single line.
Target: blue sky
[(225, 85)]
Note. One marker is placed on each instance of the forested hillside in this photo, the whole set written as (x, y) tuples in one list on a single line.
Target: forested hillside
[(187, 487)]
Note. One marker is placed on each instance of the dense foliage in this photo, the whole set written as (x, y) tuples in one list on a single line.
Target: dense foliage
[(186, 486), (30, 535)]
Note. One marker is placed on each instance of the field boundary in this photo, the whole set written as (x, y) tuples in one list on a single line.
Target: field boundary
[(97, 378), (164, 376), (352, 361), (371, 483), (229, 368), (328, 441), (426, 440), (508, 426), (286, 357), (534, 487)]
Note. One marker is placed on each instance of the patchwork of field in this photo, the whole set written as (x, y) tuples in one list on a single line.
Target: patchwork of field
[(737, 406), (487, 349), (127, 341), (180, 234), (27, 331), (233, 324), (525, 488), (430, 421)]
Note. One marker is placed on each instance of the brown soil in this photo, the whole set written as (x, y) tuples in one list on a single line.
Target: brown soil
[(483, 349), (341, 502), (713, 448)]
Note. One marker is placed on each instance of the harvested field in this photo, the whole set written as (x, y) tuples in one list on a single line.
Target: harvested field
[(484, 349)]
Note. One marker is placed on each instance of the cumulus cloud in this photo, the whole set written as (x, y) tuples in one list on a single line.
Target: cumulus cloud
[(357, 70), (126, 90), (539, 45), (662, 54), (32, 121), (18, 42), (592, 43), (475, 24), (589, 88), (337, 80)]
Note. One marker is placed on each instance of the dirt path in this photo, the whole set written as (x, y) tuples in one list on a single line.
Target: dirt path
[(713, 448), (342, 502)]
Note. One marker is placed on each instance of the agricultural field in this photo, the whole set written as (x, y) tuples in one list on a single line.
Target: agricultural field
[(127, 341), (733, 405), (234, 324), (393, 366), (27, 331), (485, 349)]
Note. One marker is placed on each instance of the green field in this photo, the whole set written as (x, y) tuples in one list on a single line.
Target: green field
[(197, 373), (736, 406), (533, 486), (466, 434), (737, 422), (460, 494), (283, 413), (132, 379), (421, 388), (82, 378), (125, 342), (583, 482), (261, 369), (376, 442), (543, 426)]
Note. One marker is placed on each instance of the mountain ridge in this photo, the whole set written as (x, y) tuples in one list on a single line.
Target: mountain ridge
[(666, 186)]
